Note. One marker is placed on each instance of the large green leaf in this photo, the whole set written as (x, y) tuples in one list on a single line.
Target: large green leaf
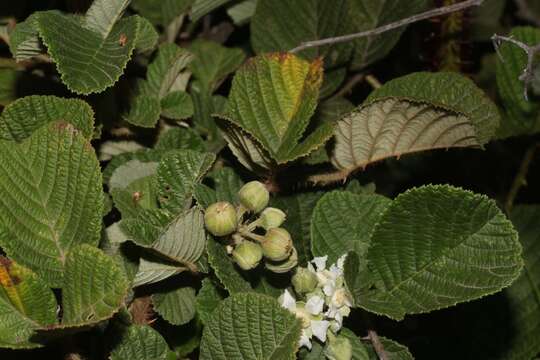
[(522, 115), (52, 198), (523, 297), (225, 270), (393, 127), (436, 246), (250, 326), (140, 342), (272, 98), (273, 21), (213, 62), (25, 115), (369, 14), (299, 208), (343, 221), (26, 304), (178, 173), (176, 306), (95, 287), (447, 90)]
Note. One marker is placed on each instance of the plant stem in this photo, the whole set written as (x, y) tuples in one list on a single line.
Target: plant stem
[(329, 178), (415, 18), (353, 81), (373, 81), (521, 177), (377, 345)]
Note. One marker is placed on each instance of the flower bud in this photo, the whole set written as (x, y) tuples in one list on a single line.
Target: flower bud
[(285, 265), (254, 196), (247, 255), (220, 218), (338, 348), (277, 244), (304, 281), (272, 218)]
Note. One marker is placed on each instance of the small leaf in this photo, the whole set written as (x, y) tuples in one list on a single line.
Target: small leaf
[(436, 246), (207, 300), (393, 350), (283, 92), (161, 12), (242, 12), (250, 326), (25, 115), (131, 171), (177, 105), (140, 342), (180, 138), (343, 221), (163, 71), (146, 227), (26, 304), (53, 198), (150, 272), (95, 287), (393, 127), (213, 62), (147, 38), (103, 14), (24, 41), (203, 7), (178, 173), (225, 270), (109, 149), (88, 61), (177, 306)]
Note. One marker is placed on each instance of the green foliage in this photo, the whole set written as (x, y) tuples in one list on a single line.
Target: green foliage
[(250, 326), (140, 342), (176, 306)]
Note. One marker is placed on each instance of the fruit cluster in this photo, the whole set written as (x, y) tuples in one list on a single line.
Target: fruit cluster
[(253, 230)]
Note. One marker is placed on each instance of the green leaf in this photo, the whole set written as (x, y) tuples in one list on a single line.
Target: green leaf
[(250, 326), (242, 12), (366, 15), (523, 297), (281, 25), (177, 306), (88, 61), (144, 110), (131, 171), (94, 288), (203, 7), (436, 246), (26, 304), (146, 227), (213, 62), (140, 342), (184, 239), (151, 271), (393, 127), (272, 98), (140, 194), (161, 12), (522, 116), (24, 41), (177, 105), (53, 198), (180, 138), (25, 115), (343, 221), (393, 350), (178, 173), (163, 71), (144, 155), (448, 90), (299, 208), (225, 270), (148, 37), (110, 149), (359, 350), (9, 80), (207, 300)]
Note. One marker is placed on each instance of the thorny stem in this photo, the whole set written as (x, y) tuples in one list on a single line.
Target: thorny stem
[(521, 177), (527, 75), (377, 345), (415, 18)]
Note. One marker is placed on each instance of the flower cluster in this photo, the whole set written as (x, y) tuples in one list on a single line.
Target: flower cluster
[(252, 230), (321, 302)]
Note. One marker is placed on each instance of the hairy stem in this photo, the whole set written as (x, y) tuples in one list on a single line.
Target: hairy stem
[(382, 29), (520, 179), (377, 345)]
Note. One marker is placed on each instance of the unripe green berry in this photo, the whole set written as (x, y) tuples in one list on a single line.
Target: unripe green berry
[(277, 244), (254, 196), (247, 255), (285, 265), (272, 218), (304, 281), (220, 218)]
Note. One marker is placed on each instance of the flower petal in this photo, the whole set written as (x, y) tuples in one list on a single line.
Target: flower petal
[(288, 301), (304, 341), (319, 328), (315, 305), (320, 262)]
